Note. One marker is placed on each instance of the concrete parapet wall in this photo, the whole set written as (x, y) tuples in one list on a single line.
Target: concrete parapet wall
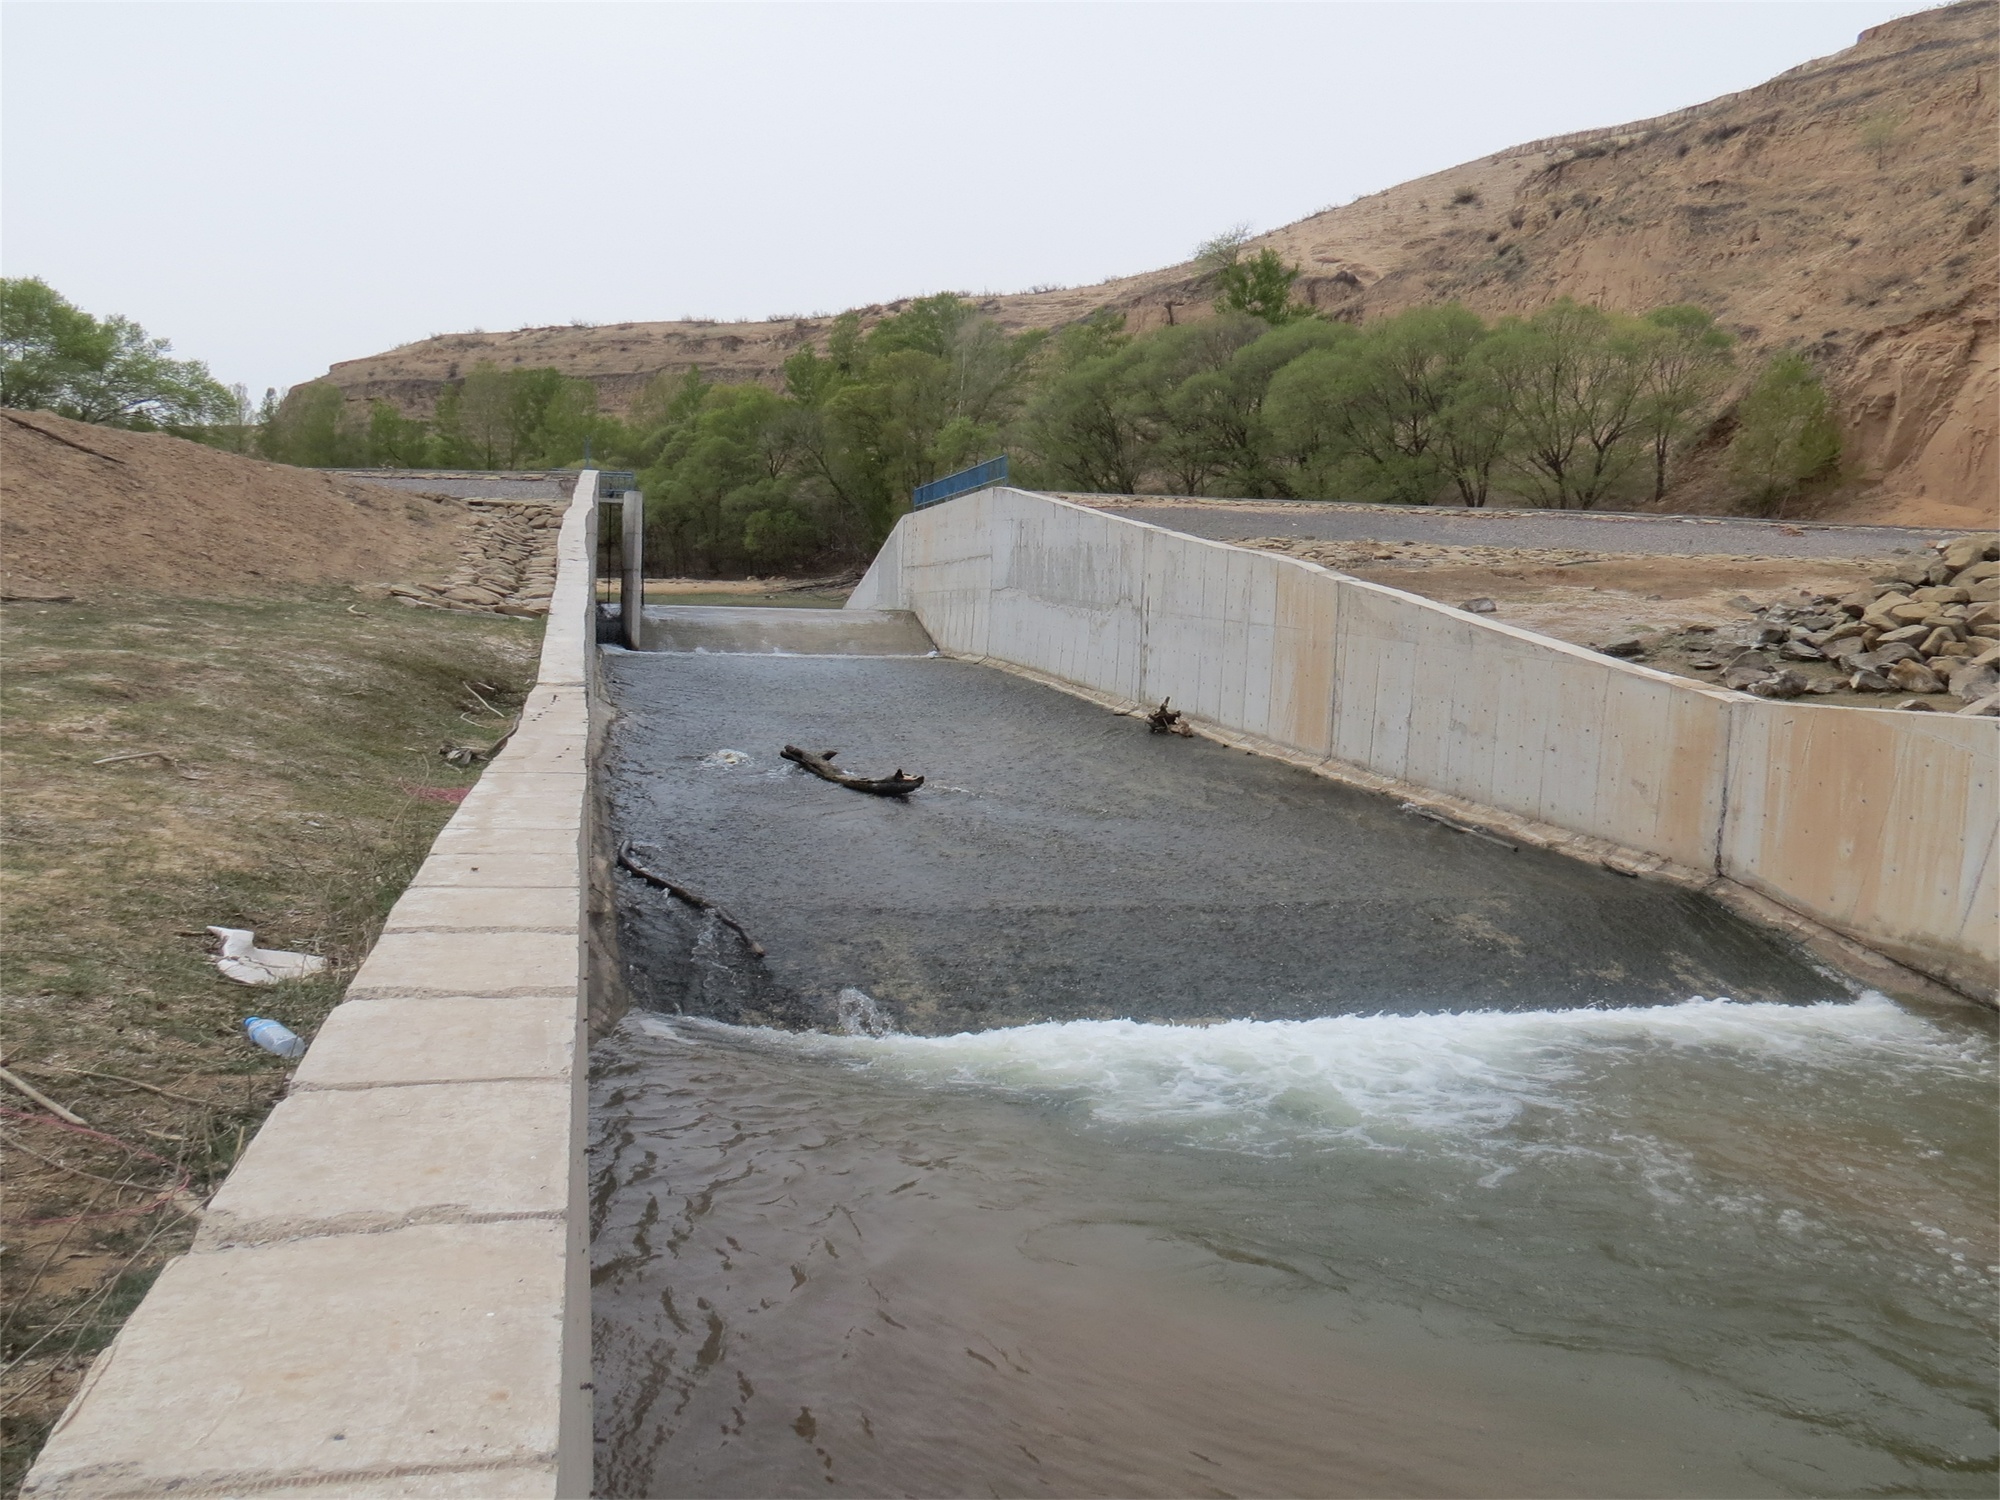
[(390, 1294), (1880, 825)]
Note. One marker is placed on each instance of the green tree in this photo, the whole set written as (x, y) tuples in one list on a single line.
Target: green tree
[(1684, 362), (550, 416), (311, 427), (396, 441), (1260, 287), (1081, 425), (56, 357), (1568, 380), (448, 449), (1182, 454), (1220, 412), (1397, 411), (1786, 434), (486, 416), (1878, 134), (724, 495)]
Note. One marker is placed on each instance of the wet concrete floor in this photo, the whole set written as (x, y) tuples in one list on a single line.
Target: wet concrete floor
[(1062, 863)]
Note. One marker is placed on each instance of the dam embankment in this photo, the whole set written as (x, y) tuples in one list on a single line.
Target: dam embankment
[(1881, 825)]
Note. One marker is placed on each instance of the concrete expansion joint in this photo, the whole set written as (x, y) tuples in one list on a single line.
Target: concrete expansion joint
[(118, 1482), (215, 1239)]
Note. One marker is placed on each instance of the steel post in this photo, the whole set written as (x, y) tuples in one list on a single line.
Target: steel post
[(632, 589)]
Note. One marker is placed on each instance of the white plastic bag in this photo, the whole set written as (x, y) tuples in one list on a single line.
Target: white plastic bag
[(243, 961)]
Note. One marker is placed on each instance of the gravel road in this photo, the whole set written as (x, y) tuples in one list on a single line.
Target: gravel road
[(472, 486), (1676, 536)]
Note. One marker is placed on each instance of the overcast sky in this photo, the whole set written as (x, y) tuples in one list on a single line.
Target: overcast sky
[(275, 186)]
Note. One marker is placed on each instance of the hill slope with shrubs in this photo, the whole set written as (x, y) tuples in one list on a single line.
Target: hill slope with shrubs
[(1842, 212)]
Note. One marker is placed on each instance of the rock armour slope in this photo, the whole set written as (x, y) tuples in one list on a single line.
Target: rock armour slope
[(1769, 207)]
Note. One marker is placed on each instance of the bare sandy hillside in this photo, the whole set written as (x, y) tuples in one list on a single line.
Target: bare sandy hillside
[(1845, 207), (84, 507)]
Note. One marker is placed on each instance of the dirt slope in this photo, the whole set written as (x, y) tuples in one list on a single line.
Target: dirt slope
[(1845, 207), (83, 507)]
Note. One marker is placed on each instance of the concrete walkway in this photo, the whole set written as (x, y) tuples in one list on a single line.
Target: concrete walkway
[(1666, 536)]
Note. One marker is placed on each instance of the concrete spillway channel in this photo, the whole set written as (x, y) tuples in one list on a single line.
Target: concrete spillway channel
[(1063, 863), (1123, 1114), (1127, 1114)]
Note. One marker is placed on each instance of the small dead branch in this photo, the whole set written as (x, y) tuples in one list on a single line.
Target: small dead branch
[(56, 437), (628, 856), (473, 688), (472, 755), (160, 755), (40, 1098), (151, 1088), (822, 766), (1457, 827), (63, 1166), (1167, 720)]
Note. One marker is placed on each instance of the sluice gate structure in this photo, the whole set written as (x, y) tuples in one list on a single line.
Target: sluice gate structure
[(390, 1295)]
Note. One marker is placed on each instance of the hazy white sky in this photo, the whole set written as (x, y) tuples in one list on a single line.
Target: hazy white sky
[(275, 186)]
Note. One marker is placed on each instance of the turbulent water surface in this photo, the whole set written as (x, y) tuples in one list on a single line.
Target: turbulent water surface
[(1700, 1249), (1417, 1170)]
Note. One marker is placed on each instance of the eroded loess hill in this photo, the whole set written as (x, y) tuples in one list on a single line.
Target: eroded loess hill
[(1845, 208), (83, 506)]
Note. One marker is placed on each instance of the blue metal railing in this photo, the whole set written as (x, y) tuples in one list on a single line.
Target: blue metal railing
[(993, 471), (614, 483)]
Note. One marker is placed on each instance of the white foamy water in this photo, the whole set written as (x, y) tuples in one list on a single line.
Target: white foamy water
[(1760, 1234), (1392, 1081)]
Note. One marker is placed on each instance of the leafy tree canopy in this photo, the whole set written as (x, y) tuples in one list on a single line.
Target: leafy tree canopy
[(56, 357)]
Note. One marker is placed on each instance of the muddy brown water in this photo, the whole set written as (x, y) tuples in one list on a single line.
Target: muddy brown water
[(1127, 1116)]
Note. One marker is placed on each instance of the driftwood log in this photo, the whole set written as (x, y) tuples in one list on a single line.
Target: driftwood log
[(629, 858), (822, 766), (1166, 720)]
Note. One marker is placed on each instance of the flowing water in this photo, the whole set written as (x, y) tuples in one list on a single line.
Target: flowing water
[(1704, 1249), (1418, 1170)]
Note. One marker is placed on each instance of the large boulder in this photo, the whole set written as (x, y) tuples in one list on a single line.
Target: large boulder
[(1913, 677), (1967, 550), (1970, 683)]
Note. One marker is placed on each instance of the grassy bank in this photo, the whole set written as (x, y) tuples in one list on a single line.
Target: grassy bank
[(293, 786)]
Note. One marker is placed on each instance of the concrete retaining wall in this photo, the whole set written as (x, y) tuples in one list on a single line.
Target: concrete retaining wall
[(390, 1294), (1880, 825)]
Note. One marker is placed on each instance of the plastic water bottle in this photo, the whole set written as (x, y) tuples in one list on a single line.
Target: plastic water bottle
[(273, 1036)]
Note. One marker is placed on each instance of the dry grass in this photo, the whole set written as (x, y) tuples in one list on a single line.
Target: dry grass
[(299, 787)]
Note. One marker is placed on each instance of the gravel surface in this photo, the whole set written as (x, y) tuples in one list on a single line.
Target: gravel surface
[(1685, 536)]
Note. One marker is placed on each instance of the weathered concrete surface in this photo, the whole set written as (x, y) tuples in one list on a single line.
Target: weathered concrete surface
[(1063, 863), (814, 632), (389, 1295), (393, 1360), (1353, 675), (1879, 823)]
